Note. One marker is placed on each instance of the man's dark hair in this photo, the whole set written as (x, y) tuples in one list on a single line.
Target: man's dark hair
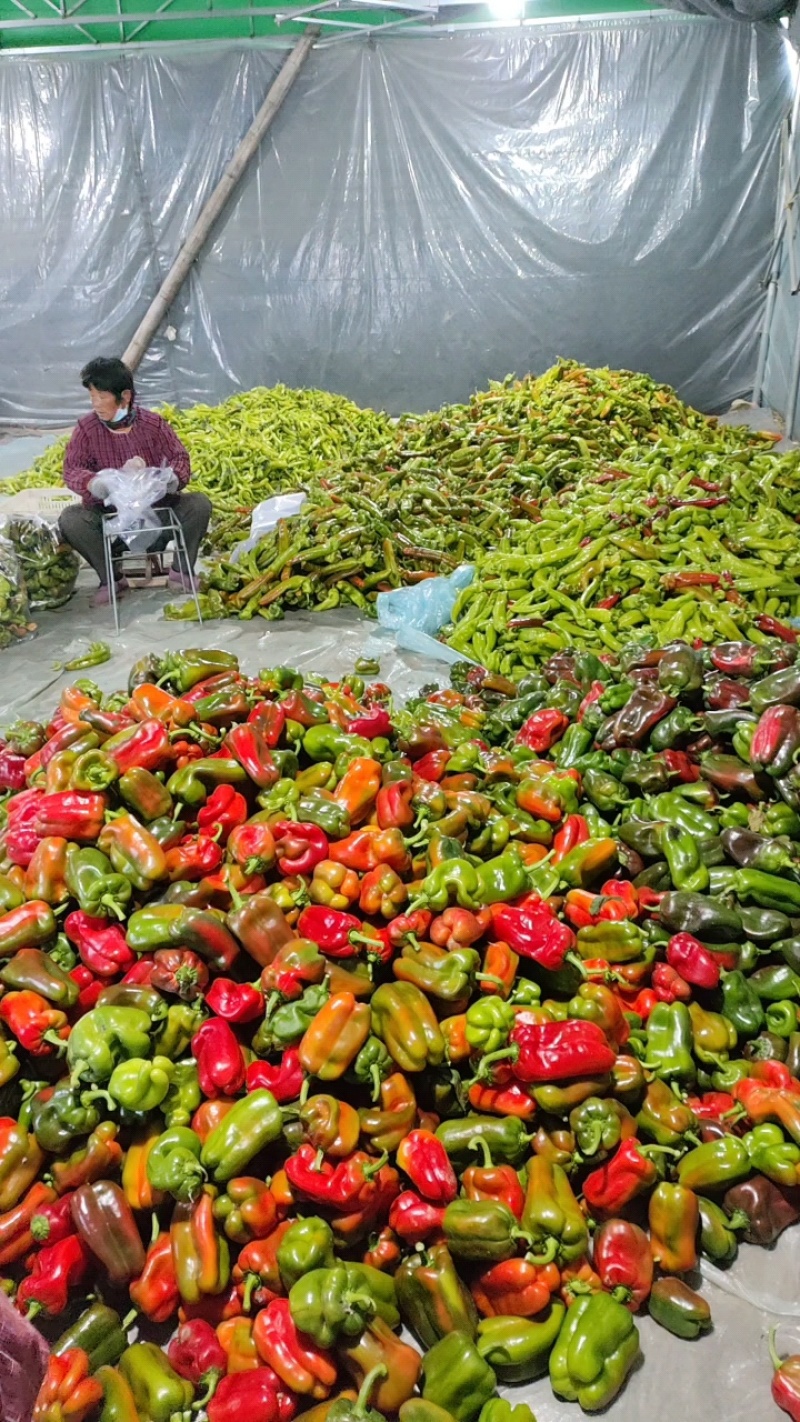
[(110, 374)]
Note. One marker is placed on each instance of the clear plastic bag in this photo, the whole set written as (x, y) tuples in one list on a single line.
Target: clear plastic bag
[(132, 493), (426, 606), (266, 516), (14, 607), (49, 566)]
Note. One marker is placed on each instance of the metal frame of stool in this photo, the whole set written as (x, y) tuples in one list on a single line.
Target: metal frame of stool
[(170, 526)]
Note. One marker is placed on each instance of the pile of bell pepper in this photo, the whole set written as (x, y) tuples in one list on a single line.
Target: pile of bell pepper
[(320, 1017)]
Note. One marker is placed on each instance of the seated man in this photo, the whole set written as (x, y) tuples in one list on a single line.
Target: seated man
[(120, 435)]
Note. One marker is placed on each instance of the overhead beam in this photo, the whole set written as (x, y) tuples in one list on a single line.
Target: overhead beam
[(218, 200)]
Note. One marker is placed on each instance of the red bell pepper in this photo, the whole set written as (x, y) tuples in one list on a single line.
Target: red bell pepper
[(415, 1220), (426, 1163), (712, 1105), (251, 1394), (534, 932), (53, 1220), (621, 1255), (252, 847), (71, 815), (55, 1270), (193, 857), (196, 1353), (12, 769), (542, 729), (695, 963), (365, 848), (345, 1186), (270, 718), (235, 1002), (90, 988), (511, 1099), (21, 837), (593, 694), (668, 985), (101, 945), (681, 765), (155, 1293), (220, 1062), (300, 846), (285, 1080), (146, 745), (556, 1051), (574, 831), (393, 806), (371, 724), (249, 745), (626, 1174), (38, 1026), (224, 810), (785, 1380), (67, 1392), (432, 766), (459, 928), (408, 928), (338, 934)]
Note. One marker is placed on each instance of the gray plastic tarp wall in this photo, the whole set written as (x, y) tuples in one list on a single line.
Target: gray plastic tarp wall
[(426, 214)]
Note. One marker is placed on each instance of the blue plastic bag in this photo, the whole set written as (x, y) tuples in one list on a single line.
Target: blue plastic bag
[(426, 606)]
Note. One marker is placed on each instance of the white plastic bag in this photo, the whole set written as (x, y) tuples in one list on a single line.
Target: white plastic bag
[(266, 516), (132, 493), (426, 606)]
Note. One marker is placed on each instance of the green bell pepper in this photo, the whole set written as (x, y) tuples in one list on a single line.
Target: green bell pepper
[(481, 1229), (100, 1332), (105, 1036), (670, 1042), (433, 1298), (329, 1305), (501, 879), (158, 1391), (140, 1084), (456, 1377), (174, 1165), (308, 1244), (596, 1349), (248, 1127), (678, 1308), (715, 1164), (519, 1348)]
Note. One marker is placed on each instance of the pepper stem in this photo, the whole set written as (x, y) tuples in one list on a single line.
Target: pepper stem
[(368, 1386), (211, 1382), (489, 978), (375, 1078), (480, 1144), (504, 1055), (370, 1170), (129, 1318), (251, 1283), (777, 1360), (548, 1257)]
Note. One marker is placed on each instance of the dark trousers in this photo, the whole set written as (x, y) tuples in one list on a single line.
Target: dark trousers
[(82, 528)]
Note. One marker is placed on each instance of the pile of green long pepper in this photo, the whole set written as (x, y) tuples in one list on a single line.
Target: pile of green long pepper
[(320, 1017)]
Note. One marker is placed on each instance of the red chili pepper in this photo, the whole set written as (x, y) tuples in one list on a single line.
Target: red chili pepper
[(223, 811), (220, 1063), (101, 945), (695, 963), (196, 1352), (610, 601), (331, 929), (542, 729), (555, 1051), (427, 1165), (235, 1002), (55, 1270), (534, 932), (300, 846), (285, 1080), (413, 1219), (371, 724), (773, 628), (668, 985)]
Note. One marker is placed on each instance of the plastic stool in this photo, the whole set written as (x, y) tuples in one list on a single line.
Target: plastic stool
[(172, 528)]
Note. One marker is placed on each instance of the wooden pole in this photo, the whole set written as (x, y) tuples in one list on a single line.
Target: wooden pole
[(188, 253)]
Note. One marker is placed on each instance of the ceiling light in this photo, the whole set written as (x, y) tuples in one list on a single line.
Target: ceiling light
[(507, 9)]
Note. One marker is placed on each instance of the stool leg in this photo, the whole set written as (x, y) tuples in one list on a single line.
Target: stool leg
[(180, 543), (110, 582)]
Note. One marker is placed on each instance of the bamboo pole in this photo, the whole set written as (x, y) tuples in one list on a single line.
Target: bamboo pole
[(216, 203)]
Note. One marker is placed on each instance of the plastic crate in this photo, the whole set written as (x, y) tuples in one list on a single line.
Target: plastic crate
[(38, 503)]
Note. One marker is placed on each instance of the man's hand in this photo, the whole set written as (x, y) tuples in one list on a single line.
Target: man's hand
[(136, 463)]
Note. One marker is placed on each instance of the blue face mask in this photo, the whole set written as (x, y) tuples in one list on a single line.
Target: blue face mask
[(122, 414)]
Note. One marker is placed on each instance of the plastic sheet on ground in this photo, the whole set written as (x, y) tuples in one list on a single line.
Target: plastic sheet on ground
[(727, 1373)]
